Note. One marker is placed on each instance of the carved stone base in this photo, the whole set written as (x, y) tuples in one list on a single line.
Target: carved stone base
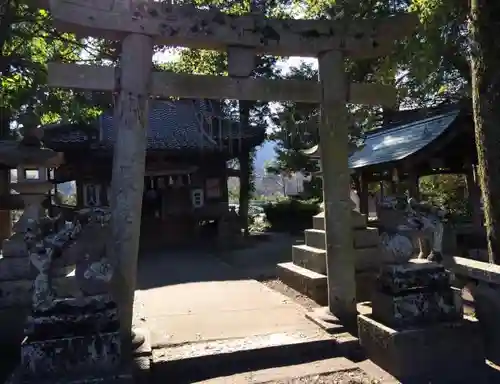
[(77, 355), (120, 377), (77, 340), (417, 308), (416, 273), (446, 353)]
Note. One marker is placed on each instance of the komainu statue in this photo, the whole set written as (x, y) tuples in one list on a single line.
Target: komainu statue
[(71, 335), (401, 215), (47, 239)]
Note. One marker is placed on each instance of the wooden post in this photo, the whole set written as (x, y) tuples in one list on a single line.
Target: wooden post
[(395, 182), (363, 194), (413, 185), (127, 185), (336, 184)]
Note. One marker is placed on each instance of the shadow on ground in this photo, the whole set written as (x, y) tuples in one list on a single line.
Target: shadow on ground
[(260, 260), (160, 269)]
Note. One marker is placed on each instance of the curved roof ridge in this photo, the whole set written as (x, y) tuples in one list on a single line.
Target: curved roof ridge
[(403, 125)]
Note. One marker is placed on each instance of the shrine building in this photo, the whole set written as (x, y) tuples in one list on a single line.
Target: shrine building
[(189, 143)]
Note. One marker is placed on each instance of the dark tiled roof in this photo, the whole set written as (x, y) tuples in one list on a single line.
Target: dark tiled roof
[(181, 124), (397, 142)]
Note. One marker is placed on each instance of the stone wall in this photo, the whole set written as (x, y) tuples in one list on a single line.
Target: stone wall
[(482, 281)]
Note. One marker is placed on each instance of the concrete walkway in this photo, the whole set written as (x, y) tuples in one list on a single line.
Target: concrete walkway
[(191, 297)]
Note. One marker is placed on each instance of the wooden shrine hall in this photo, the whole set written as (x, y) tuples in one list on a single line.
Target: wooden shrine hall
[(188, 145), (415, 143)]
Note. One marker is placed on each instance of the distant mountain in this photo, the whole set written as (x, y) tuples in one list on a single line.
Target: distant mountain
[(264, 153)]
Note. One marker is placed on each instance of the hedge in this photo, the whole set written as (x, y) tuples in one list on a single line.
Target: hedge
[(291, 214)]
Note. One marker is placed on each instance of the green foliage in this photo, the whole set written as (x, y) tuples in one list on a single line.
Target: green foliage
[(435, 60), (257, 220), (291, 214), (296, 130), (447, 191), (28, 42), (61, 199)]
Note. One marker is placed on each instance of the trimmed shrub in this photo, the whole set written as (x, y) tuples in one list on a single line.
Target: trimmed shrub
[(290, 215)]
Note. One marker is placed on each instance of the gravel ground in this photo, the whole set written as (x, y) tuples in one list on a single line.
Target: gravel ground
[(277, 285), (355, 376)]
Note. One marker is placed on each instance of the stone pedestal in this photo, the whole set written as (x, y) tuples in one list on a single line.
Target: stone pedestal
[(417, 331), (75, 341)]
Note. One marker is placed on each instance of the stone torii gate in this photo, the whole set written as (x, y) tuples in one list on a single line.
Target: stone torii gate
[(140, 24)]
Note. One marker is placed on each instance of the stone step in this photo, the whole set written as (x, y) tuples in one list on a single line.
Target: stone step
[(363, 238), (254, 359), (314, 259), (315, 238), (338, 366), (17, 293), (358, 220), (20, 268), (366, 238), (314, 285), (310, 258), (305, 281)]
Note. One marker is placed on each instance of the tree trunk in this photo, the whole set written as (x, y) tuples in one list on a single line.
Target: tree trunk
[(5, 216), (485, 61)]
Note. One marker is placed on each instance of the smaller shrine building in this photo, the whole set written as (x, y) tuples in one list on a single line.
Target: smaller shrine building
[(415, 143)]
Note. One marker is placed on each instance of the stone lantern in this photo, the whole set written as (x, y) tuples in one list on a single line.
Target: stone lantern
[(33, 191), (16, 273), (24, 156)]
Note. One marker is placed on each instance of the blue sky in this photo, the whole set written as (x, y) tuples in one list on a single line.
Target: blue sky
[(266, 151)]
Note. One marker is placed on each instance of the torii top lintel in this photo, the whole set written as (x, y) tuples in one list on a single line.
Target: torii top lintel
[(187, 26)]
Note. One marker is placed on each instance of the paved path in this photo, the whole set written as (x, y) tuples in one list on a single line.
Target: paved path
[(190, 297)]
